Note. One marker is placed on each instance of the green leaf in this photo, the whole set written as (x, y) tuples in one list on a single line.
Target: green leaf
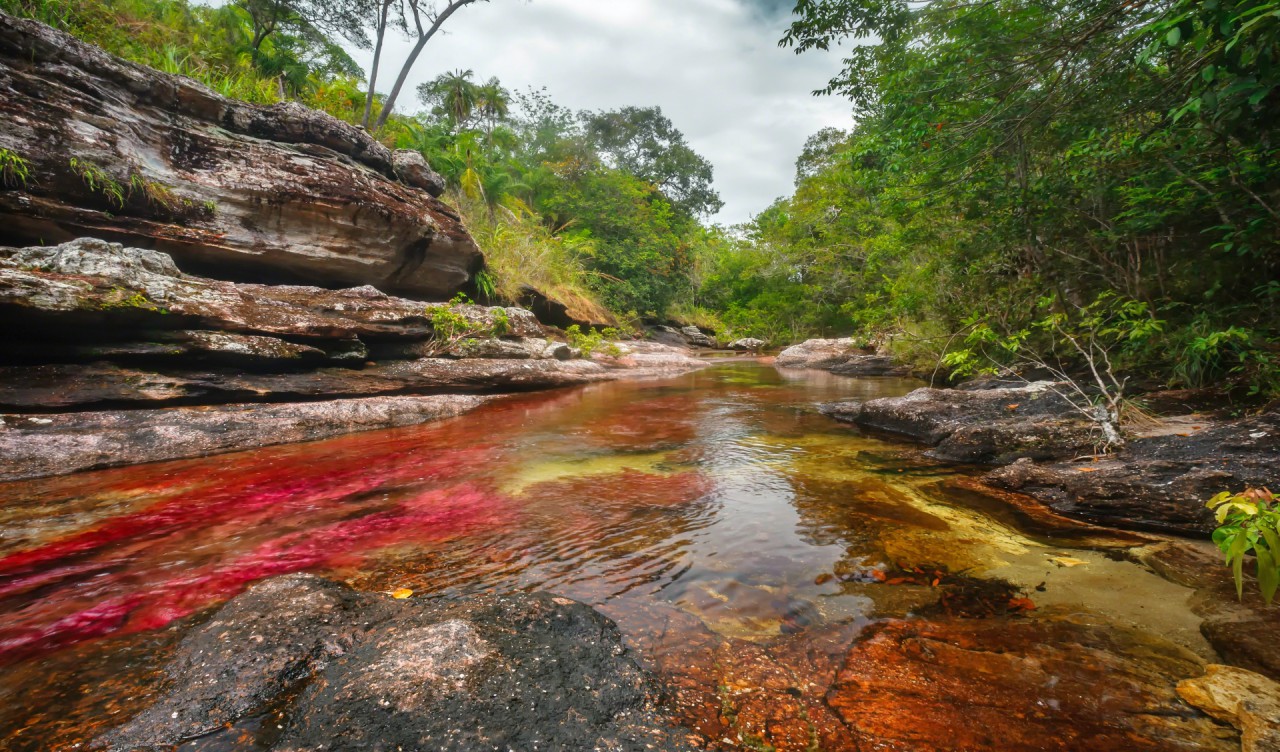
[(1173, 37), (1268, 574)]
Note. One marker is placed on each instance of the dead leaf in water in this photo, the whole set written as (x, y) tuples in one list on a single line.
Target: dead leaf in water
[(1067, 561), (401, 593)]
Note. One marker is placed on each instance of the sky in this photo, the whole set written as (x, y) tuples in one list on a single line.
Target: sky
[(713, 66)]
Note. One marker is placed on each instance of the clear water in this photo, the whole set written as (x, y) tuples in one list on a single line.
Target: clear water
[(717, 506)]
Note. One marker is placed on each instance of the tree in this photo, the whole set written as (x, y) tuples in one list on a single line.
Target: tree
[(424, 19), (493, 103), (453, 96), (343, 18), (644, 142)]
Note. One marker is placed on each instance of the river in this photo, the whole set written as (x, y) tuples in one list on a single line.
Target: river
[(742, 541)]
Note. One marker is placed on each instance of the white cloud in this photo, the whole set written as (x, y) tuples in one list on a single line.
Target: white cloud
[(712, 65)]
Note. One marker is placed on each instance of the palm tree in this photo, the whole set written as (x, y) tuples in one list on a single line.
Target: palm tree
[(454, 95), (494, 103)]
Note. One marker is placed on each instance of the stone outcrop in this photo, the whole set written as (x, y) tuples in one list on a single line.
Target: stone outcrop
[(751, 344), (55, 444), (120, 151), (989, 425), (98, 337), (1242, 698), (1154, 482), (839, 356), (491, 673), (1158, 482)]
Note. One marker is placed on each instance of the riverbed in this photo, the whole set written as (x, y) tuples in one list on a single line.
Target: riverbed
[(747, 546)]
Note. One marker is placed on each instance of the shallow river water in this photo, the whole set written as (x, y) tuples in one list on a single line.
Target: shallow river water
[(742, 541)]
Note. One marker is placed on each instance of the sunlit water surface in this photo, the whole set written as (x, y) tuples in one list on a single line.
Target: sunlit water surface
[(720, 497)]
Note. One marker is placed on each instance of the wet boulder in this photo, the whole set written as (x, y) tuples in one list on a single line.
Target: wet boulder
[(490, 673)]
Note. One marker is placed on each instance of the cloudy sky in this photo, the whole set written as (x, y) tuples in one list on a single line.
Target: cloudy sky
[(713, 66)]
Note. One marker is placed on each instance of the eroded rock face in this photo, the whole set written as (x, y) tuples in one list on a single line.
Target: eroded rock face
[(243, 190), (492, 673), (89, 282)]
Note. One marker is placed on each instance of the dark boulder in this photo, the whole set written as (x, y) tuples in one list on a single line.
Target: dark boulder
[(1158, 482), (364, 671)]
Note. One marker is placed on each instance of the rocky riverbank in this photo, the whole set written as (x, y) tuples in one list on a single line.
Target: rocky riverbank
[(1159, 480), (114, 356), (516, 672)]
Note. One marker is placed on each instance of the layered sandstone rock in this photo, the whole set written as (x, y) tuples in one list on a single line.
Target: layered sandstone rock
[(121, 151)]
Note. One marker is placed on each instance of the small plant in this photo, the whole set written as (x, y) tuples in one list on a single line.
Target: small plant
[(156, 194), (1250, 522), (486, 285), (15, 172), (98, 181), (591, 340), (450, 328)]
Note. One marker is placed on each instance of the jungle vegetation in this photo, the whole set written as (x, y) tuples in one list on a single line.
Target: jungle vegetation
[(1013, 170)]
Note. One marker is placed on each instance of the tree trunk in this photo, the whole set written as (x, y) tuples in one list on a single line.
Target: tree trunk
[(377, 61), (423, 38)]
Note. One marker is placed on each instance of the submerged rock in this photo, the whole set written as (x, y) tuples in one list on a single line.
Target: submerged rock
[(491, 673), (239, 189), (1032, 684)]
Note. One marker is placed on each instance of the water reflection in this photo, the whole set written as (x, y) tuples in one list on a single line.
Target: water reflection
[(706, 513)]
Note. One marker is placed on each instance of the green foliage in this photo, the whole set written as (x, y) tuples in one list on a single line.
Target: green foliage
[(590, 341), (1010, 150), (15, 172), (1249, 522), (98, 181), (451, 326)]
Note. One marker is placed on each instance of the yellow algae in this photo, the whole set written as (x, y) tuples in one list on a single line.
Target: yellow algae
[(531, 474)]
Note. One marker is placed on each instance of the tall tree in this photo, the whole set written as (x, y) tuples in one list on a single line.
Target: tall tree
[(453, 96), (645, 143), (424, 20), (382, 11)]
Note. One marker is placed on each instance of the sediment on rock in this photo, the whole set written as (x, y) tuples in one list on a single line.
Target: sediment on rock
[(235, 189), (489, 673)]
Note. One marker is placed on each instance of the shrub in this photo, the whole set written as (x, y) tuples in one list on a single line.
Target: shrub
[(1250, 522)]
